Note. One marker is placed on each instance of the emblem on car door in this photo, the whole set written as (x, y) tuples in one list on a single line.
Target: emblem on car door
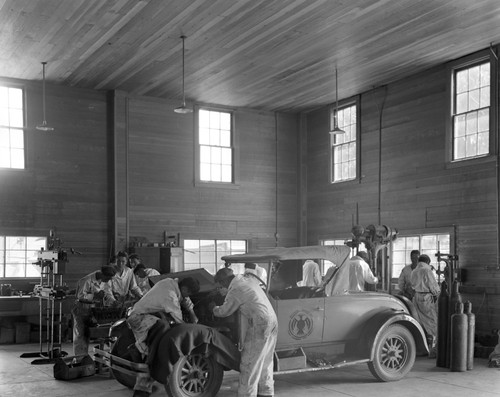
[(300, 325)]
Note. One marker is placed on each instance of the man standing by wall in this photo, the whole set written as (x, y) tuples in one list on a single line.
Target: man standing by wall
[(404, 281), (426, 293)]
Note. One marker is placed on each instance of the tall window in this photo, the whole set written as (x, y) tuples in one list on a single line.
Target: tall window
[(428, 244), (206, 254), (11, 128), (216, 146), (471, 111), (343, 146), (18, 255)]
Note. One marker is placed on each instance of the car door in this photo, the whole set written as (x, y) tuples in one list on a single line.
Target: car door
[(300, 321)]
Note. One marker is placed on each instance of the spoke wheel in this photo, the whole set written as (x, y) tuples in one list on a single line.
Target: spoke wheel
[(195, 376), (394, 354)]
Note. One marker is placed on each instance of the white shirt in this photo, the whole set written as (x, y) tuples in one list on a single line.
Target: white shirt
[(245, 294), (311, 276), (143, 283), (165, 296), (89, 285), (359, 273), (125, 283), (259, 271)]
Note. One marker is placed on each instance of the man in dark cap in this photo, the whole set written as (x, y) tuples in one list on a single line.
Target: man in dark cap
[(259, 341), (93, 289)]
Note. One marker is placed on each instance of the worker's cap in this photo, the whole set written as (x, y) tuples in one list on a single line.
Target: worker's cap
[(250, 265), (139, 267), (108, 270), (223, 274)]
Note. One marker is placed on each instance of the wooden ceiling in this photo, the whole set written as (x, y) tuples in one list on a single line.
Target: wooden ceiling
[(272, 55)]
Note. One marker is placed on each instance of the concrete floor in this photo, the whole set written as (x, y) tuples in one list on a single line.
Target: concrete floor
[(20, 378)]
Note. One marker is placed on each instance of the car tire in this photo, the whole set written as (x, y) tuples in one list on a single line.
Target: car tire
[(120, 349), (394, 354), (195, 375)]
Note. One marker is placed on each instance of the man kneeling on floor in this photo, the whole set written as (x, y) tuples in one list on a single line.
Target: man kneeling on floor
[(166, 297)]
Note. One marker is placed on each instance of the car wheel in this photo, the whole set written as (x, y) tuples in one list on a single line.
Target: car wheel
[(394, 354), (195, 375), (120, 349)]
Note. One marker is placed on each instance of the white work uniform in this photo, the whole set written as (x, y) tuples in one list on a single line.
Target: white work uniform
[(124, 283), (86, 288), (404, 282), (256, 366), (143, 283), (311, 275), (359, 273), (164, 297), (426, 291)]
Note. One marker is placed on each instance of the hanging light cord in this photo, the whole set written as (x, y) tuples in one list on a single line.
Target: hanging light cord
[(43, 92), (183, 91)]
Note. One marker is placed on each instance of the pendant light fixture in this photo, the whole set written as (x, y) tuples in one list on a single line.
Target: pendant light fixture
[(336, 130), (44, 126), (183, 109)]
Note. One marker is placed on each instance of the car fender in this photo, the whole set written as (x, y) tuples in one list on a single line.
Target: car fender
[(374, 327)]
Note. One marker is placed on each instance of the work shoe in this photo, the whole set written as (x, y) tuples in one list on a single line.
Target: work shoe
[(141, 393)]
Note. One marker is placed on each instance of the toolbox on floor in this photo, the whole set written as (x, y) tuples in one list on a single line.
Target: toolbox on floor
[(67, 368)]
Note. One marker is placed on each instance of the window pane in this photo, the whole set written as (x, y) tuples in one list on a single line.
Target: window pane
[(204, 136), (459, 148), (17, 139), (225, 121), (226, 175), (483, 143), (462, 102), (205, 154), (462, 81), (225, 138), (17, 160), (471, 123)]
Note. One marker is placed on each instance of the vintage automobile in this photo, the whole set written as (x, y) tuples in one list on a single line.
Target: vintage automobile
[(316, 331)]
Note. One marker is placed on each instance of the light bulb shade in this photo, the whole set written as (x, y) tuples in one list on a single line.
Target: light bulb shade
[(44, 127), (336, 131), (183, 110)]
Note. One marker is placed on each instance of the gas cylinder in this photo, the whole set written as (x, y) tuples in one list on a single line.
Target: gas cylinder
[(455, 297), (442, 330), (458, 345), (471, 330)]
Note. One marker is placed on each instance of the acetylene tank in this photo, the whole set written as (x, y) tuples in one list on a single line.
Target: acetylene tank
[(443, 329), (458, 346)]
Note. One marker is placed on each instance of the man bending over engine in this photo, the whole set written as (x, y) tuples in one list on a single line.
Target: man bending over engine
[(166, 297)]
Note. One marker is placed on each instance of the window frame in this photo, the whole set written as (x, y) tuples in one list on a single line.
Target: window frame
[(234, 149), (452, 67), (420, 233), (217, 263), (3, 256), (24, 129), (354, 101)]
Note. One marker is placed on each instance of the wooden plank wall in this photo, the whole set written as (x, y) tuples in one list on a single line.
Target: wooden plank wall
[(65, 186), (419, 191), (162, 195)]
